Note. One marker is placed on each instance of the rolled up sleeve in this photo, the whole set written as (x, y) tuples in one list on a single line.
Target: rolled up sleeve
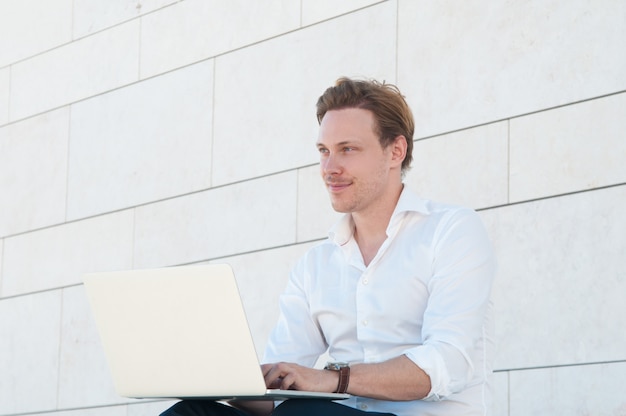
[(459, 298)]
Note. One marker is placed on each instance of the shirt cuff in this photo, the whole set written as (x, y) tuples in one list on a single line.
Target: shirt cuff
[(428, 358)]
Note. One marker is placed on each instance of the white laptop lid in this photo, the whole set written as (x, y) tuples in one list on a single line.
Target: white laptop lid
[(177, 332)]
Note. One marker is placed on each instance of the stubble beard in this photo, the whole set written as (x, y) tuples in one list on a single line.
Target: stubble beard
[(361, 195)]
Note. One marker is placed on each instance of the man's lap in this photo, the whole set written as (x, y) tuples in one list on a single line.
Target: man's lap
[(287, 408), (202, 408)]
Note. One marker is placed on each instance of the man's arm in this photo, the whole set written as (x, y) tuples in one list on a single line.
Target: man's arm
[(395, 379)]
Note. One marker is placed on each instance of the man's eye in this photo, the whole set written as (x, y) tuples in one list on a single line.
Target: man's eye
[(348, 149), (322, 150)]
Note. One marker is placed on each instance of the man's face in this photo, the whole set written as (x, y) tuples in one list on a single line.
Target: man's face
[(353, 164)]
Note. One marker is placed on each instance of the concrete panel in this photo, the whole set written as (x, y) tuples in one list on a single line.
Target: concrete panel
[(1, 256), (248, 216), (96, 411), (30, 327), (145, 142), (466, 168), (262, 277), (58, 256), (568, 149), (194, 30), (314, 11), (465, 64), (258, 84), (578, 390), (78, 70), (5, 77), (94, 15), (84, 377), (560, 284), (33, 172), (501, 394), (29, 27)]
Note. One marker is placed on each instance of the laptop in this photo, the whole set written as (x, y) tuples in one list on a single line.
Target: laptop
[(179, 332)]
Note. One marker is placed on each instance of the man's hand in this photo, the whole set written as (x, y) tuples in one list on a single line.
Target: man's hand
[(395, 379), (289, 376)]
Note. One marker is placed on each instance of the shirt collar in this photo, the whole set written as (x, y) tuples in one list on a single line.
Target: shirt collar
[(342, 231)]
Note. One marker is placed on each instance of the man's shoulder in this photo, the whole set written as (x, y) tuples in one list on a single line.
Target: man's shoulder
[(412, 202), (437, 211), (322, 248), (320, 252)]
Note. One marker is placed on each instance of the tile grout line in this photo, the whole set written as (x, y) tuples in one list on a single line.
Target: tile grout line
[(547, 367), (254, 43), (139, 38), (67, 164), (189, 263), (59, 356), (213, 90), (165, 199), (9, 95), (134, 239), (88, 35), (170, 198), (397, 44), (521, 115), (508, 393), (508, 161), (1, 265)]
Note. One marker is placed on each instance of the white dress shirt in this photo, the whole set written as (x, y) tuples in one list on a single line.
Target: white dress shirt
[(426, 294)]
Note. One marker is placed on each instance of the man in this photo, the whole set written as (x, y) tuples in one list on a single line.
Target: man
[(399, 292)]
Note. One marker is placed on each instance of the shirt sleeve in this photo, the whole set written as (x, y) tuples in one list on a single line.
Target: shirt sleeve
[(296, 337), (459, 299)]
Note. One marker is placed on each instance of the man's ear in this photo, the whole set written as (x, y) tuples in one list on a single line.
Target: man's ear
[(398, 150)]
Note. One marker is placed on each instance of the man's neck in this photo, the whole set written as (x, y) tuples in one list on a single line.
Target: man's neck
[(370, 230)]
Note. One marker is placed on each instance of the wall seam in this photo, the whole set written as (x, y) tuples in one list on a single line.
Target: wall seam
[(2, 260), (508, 161), (173, 69), (521, 115), (9, 96), (139, 38), (73, 21), (553, 366), (134, 239), (295, 237), (59, 350), (508, 393), (67, 164), (97, 32), (67, 222), (190, 263), (212, 138), (397, 40)]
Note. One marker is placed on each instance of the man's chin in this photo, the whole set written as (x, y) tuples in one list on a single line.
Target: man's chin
[(341, 207)]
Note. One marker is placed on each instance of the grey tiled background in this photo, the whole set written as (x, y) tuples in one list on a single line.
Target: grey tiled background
[(152, 133)]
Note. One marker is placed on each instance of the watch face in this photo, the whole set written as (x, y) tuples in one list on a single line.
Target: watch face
[(336, 366)]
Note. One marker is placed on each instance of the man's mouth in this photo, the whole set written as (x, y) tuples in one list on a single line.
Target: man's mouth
[(337, 186)]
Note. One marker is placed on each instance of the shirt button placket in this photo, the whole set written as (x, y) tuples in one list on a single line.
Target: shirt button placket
[(361, 312), (365, 281)]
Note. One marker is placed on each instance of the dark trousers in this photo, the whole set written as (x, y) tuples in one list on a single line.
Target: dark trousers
[(299, 407)]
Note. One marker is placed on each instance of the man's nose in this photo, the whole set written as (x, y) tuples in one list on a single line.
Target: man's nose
[(330, 165)]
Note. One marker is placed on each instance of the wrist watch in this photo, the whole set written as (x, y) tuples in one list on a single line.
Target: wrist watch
[(344, 375)]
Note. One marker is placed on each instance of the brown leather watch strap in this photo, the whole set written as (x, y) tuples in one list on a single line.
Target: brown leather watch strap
[(344, 379)]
